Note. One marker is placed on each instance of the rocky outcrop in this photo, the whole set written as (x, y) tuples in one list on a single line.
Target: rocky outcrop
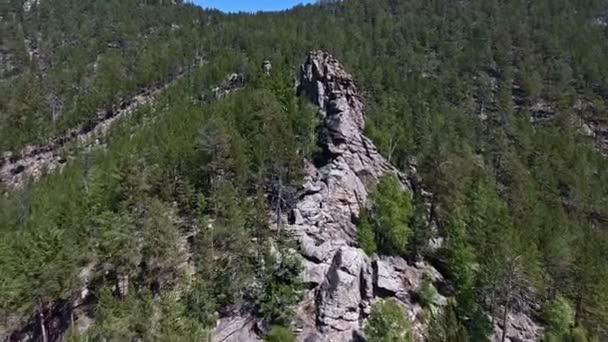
[(28, 4), (593, 124), (541, 110), (232, 83), (587, 121), (520, 328), (343, 281), (236, 329)]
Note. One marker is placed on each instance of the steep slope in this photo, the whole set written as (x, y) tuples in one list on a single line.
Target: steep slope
[(35, 160), (63, 60), (94, 263)]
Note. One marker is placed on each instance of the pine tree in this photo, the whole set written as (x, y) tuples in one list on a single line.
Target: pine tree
[(387, 322)]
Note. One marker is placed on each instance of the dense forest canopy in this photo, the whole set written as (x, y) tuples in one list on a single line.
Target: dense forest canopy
[(490, 98)]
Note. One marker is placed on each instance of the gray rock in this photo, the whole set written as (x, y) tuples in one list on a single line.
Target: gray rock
[(235, 329), (28, 4), (316, 253), (387, 280), (267, 67), (297, 217), (343, 298), (314, 274), (520, 327), (233, 82), (35, 161)]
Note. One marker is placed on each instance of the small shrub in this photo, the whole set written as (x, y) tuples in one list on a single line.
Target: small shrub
[(387, 323), (559, 316), (365, 235), (280, 334), (426, 293)]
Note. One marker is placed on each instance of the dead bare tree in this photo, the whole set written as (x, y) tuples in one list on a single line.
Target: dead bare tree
[(513, 272)]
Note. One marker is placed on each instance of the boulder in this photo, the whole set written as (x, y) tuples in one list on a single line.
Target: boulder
[(387, 281), (313, 274), (343, 297)]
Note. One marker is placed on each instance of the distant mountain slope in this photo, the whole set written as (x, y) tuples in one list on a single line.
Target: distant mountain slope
[(62, 60)]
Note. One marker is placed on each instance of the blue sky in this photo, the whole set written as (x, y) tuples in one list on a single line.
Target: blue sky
[(250, 5)]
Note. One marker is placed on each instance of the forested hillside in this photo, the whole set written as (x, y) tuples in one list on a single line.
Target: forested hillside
[(63, 60), (492, 113)]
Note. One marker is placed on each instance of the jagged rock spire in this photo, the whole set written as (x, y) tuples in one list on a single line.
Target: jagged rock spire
[(344, 281)]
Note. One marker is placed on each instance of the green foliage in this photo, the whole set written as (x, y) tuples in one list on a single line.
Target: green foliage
[(142, 196), (365, 234), (460, 266), (176, 323), (122, 319), (578, 334), (447, 327), (387, 323), (282, 291), (117, 249), (388, 220), (559, 316), (280, 334), (526, 202), (460, 255), (88, 60), (426, 293), (139, 316), (392, 213)]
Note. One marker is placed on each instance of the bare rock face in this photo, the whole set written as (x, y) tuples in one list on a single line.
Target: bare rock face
[(350, 162), (598, 129), (343, 280), (235, 329), (345, 293), (520, 327)]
